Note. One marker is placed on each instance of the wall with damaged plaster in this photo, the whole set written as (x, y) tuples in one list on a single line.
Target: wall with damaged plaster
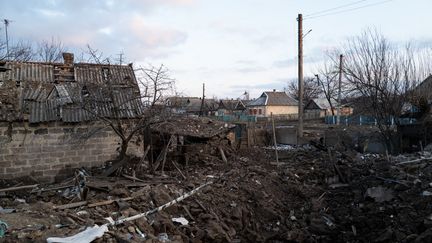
[(50, 151)]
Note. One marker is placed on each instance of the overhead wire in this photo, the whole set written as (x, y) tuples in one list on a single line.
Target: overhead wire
[(347, 10), (335, 8)]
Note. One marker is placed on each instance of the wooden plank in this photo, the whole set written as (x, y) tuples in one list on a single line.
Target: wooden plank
[(133, 178), (115, 166), (108, 202), (71, 205), (166, 152), (178, 169), (91, 205), (16, 188), (223, 155), (274, 138)]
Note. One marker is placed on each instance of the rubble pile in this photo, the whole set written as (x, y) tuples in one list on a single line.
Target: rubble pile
[(382, 199), (312, 195)]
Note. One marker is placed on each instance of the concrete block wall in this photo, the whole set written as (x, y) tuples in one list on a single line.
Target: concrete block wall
[(52, 151)]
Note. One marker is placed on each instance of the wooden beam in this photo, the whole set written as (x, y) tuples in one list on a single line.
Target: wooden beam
[(16, 188), (223, 155)]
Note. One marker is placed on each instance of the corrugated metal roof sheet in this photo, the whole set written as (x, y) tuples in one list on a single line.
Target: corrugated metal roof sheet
[(22, 71), (46, 98), (85, 73)]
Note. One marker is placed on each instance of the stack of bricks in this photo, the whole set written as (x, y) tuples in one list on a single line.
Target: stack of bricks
[(52, 151)]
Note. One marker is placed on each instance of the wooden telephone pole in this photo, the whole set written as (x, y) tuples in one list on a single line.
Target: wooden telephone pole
[(340, 88), (300, 76), (202, 101), (6, 24)]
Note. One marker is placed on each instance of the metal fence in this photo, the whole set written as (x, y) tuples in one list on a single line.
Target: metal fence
[(366, 120), (250, 118), (236, 118)]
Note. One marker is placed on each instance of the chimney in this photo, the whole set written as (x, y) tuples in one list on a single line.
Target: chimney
[(68, 58)]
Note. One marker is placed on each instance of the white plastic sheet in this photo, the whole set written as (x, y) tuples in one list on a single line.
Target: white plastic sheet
[(86, 236)]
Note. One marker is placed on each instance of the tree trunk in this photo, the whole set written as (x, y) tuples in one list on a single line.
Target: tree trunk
[(123, 150)]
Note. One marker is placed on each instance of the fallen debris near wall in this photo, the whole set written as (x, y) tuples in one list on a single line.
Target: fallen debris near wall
[(315, 194)]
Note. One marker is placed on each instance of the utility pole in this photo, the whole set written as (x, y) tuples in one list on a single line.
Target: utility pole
[(120, 59), (300, 76), (202, 101), (6, 23), (340, 87)]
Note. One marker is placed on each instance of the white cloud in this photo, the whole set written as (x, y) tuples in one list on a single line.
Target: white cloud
[(50, 13)]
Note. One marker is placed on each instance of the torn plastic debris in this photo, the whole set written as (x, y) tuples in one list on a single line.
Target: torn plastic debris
[(380, 194), (90, 234), (87, 236), (180, 220), (141, 234), (3, 228), (163, 237), (6, 210)]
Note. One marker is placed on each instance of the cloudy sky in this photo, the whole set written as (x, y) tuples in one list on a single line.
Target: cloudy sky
[(231, 45)]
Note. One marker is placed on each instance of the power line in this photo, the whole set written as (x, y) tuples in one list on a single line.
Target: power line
[(350, 9), (335, 8)]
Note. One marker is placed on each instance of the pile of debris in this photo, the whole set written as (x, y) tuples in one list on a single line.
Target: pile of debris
[(314, 194)]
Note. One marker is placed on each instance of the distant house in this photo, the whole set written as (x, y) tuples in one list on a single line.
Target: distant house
[(278, 103), (191, 105), (323, 107), (424, 89), (179, 104), (231, 107)]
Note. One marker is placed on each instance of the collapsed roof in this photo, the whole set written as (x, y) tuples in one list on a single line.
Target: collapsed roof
[(68, 92), (199, 127)]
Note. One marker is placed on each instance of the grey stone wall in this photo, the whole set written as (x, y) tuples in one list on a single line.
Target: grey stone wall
[(53, 150)]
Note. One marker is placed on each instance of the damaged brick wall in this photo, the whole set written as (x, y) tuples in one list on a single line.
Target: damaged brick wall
[(50, 151)]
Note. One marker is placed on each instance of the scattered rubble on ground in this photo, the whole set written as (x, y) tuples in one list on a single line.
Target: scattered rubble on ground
[(315, 194)]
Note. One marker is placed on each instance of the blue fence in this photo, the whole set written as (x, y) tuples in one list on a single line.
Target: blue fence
[(236, 118), (365, 120)]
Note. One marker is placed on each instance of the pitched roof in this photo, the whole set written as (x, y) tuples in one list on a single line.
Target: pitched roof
[(320, 103), (43, 92), (274, 98), (230, 104), (191, 104), (424, 89)]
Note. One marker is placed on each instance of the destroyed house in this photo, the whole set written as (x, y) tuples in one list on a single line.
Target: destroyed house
[(191, 105), (51, 113), (231, 107)]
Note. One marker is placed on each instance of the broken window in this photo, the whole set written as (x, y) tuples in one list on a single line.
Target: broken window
[(84, 91)]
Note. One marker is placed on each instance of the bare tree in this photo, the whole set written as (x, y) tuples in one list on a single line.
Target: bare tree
[(155, 82), (50, 51), (384, 74), (100, 96), (311, 89), (327, 79), (20, 51)]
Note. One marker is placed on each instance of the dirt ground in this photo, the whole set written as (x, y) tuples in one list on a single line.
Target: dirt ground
[(311, 196)]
